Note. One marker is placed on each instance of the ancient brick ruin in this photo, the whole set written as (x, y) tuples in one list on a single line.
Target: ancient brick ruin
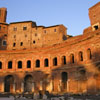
[(34, 58)]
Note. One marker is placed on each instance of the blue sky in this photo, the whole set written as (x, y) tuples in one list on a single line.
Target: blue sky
[(73, 14)]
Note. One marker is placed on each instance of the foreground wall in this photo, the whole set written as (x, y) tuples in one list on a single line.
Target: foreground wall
[(72, 66)]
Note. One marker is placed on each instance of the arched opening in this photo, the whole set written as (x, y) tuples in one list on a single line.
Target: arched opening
[(46, 63), (72, 58), (55, 61), (80, 56), (28, 81), (8, 83), (0, 65), (28, 64), (19, 64), (63, 60), (37, 63), (64, 78), (89, 53), (10, 65)]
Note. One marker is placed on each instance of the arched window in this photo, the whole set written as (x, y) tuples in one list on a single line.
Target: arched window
[(28, 64), (10, 65), (89, 53), (19, 64), (37, 63), (46, 62), (80, 56), (72, 58), (63, 59), (55, 61), (0, 65)]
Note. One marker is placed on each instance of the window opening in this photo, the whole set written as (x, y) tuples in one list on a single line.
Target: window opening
[(19, 64), (37, 63), (10, 65)]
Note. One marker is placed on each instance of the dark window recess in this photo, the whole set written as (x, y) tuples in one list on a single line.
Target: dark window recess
[(15, 29), (89, 55), (19, 64), (72, 58), (24, 28), (96, 27), (4, 43), (28, 64), (10, 65), (46, 63), (64, 79), (55, 61), (80, 56), (21, 44), (14, 44), (63, 60), (0, 65), (54, 30), (33, 42), (0, 27), (5, 35), (37, 63)]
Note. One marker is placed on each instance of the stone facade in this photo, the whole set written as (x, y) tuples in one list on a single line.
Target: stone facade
[(34, 58)]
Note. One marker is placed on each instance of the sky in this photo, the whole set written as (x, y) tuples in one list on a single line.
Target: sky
[(73, 14)]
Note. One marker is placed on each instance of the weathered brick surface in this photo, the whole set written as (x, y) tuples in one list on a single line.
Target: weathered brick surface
[(80, 75)]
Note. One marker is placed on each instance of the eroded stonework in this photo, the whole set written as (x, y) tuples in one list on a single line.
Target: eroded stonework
[(34, 58)]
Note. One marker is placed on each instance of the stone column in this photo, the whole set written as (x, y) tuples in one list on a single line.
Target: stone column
[(59, 86), (22, 87), (14, 87), (68, 85), (33, 87), (2, 87), (41, 83), (51, 86)]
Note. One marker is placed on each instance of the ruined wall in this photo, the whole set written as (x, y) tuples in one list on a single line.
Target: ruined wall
[(3, 29), (80, 72), (94, 14), (3, 14), (39, 57), (33, 36)]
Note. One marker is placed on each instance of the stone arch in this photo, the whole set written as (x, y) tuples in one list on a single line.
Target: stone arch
[(28, 83), (64, 79), (9, 83)]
